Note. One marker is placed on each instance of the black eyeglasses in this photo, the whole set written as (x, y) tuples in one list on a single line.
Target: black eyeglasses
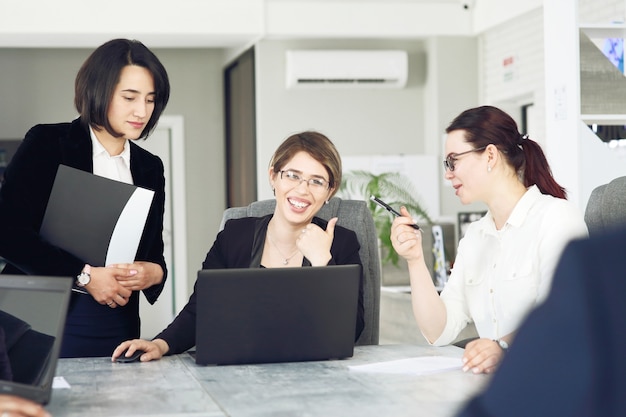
[(448, 163), (315, 183)]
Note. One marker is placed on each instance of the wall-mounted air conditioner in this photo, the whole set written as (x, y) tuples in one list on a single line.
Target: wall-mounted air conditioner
[(347, 69)]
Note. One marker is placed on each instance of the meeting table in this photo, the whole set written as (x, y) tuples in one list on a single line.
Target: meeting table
[(379, 380)]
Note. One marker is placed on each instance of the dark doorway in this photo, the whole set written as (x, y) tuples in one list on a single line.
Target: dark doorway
[(241, 187)]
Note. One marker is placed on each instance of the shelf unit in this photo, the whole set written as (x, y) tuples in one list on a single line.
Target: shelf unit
[(603, 31)]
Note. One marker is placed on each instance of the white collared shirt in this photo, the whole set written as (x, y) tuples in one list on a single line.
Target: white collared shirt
[(113, 167), (500, 275)]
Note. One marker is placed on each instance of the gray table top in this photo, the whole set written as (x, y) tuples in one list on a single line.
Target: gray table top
[(176, 386)]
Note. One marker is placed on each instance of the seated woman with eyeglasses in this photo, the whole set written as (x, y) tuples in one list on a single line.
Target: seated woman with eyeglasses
[(305, 172), (505, 261)]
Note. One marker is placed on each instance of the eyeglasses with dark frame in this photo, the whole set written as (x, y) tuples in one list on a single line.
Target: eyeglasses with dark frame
[(315, 183), (448, 163)]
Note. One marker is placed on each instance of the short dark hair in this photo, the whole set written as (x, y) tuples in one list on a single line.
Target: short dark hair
[(315, 144), (100, 73)]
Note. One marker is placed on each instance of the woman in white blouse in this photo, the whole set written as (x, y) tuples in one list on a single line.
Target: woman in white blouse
[(505, 261)]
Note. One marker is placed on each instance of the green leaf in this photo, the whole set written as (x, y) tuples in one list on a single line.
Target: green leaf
[(394, 189)]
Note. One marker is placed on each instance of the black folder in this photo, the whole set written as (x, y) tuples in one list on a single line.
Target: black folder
[(94, 218)]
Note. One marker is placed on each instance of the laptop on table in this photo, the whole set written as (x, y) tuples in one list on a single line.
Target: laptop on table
[(261, 315), (33, 310)]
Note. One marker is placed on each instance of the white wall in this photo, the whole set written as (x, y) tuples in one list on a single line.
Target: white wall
[(442, 83), (490, 13), (598, 165), (452, 85), (601, 11), (358, 121), (546, 73), (522, 82), (225, 23), (382, 19), (159, 23), (579, 159)]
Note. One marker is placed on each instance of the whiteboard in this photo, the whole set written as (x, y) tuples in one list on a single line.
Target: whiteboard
[(420, 169)]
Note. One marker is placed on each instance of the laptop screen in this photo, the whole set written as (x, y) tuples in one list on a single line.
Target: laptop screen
[(32, 318), (259, 315)]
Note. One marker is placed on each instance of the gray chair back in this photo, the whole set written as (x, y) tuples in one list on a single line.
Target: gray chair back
[(606, 207), (353, 215)]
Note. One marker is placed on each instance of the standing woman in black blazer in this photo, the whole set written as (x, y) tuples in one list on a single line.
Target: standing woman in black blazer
[(120, 93)]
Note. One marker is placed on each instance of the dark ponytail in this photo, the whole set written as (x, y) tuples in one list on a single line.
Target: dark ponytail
[(487, 125), (537, 171)]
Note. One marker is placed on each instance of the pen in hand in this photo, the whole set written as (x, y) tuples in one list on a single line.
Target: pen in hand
[(390, 209)]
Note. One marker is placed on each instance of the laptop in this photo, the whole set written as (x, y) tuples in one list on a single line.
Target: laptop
[(262, 315), (33, 310)]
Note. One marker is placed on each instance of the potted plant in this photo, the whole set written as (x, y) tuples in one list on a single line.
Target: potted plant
[(396, 190)]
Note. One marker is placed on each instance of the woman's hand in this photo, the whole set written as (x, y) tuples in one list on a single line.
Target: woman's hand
[(105, 288), (14, 406), (482, 356), (154, 349), (315, 242), (406, 240), (139, 275)]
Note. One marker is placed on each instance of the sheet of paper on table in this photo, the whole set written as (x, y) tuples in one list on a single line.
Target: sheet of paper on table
[(413, 366), (60, 383)]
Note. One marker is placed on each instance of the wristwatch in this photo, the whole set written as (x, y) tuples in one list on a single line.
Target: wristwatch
[(85, 277), (503, 345)]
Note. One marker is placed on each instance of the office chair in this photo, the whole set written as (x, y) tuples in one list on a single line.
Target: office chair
[(606, 207), (353, 215)]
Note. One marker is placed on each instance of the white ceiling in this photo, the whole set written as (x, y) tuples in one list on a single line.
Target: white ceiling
[(240, 23)]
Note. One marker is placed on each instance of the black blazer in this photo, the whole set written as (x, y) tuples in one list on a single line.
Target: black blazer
[(24, 195), (240, 245)]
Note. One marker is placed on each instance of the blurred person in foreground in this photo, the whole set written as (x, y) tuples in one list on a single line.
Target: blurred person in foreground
[(568, 359)]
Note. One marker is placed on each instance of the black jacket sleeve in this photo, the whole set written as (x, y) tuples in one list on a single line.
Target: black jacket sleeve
[(233, 248)]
